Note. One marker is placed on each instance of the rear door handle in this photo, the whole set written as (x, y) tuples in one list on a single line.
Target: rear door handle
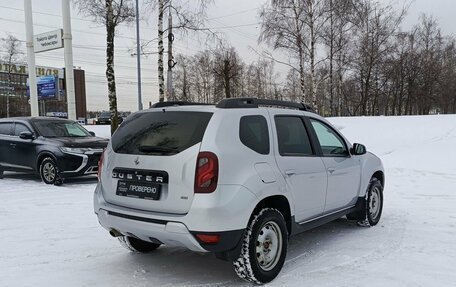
[(331, 170), (290, 172), (13, 145)]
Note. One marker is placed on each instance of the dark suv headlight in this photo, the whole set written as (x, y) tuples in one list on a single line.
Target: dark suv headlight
[(79, 150), (74, 150)]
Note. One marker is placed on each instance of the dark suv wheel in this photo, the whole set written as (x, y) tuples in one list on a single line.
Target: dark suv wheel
[(48, 171)]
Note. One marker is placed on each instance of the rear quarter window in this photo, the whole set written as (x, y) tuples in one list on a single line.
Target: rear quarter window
[(160, 132), (254, 134)]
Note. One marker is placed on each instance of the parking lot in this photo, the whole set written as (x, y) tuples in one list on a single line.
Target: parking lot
[(50, 235)]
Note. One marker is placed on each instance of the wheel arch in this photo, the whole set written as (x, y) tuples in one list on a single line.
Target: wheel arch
[(279, 202), (371, 166), (380, 176), (41, 156)]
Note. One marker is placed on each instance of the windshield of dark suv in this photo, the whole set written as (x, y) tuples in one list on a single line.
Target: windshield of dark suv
[(59, 128), (105, 115), (160, 133)]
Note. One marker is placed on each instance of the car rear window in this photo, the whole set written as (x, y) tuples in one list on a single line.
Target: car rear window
[(160, 133), (253, 132)]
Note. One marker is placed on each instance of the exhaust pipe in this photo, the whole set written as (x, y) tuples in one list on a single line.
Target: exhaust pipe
[(115, 233)]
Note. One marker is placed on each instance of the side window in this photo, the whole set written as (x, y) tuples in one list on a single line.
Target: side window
[(292, 137), (331, 143), (254, 134), (5, 128), (20, 128)]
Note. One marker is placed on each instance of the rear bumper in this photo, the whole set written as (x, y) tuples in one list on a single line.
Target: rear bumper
[(169, 233), (209, 215)]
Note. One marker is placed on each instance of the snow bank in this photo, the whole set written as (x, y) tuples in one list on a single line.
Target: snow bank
[(103, 131)]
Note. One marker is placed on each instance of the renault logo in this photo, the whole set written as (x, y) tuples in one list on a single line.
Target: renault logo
[(137, 160)]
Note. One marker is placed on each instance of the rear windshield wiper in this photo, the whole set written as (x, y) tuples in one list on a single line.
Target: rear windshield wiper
[(157, 149)]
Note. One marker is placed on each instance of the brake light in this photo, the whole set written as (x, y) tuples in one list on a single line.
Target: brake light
[(206, 174), (100, 165)]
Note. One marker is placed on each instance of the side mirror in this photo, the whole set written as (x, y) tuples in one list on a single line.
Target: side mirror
[(92, 133), (26, 135), (358, 149)]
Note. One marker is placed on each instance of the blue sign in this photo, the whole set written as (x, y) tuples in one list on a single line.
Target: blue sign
[(47, 87)]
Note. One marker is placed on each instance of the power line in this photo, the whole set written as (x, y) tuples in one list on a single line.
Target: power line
[(91, 62), (122, 77), (233, 26), (76, 46), (57, 27), (244, 34), (44, 13), (232, 14)]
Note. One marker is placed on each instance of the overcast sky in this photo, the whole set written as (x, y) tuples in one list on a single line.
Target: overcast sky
[(89, 41)]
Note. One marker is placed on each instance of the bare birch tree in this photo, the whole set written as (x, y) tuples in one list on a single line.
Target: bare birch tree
[(187, 16), (375, 27), (336, 38), (297, 27), (12, 47), (110, 13), (283, 28)]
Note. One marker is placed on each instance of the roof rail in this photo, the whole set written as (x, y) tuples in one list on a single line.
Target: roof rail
[(176, 103), (238, 103)]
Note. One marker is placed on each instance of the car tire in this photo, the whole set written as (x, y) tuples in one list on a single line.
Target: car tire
[(137, 245), (372, 207), (49, 171), (1, 172), (264, 247)]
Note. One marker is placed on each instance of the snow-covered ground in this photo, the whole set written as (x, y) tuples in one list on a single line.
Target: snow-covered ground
[(49, 235)]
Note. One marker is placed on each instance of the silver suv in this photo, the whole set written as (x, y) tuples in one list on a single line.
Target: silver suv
[(236, 179)]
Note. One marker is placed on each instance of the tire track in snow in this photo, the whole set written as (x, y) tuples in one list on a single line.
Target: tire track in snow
[(391, 242)]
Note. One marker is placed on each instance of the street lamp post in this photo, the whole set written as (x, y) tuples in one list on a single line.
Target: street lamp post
[(68, 51), (138, 58), (31, 58)]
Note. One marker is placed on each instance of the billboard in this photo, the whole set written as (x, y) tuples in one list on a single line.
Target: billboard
[(47, 87)]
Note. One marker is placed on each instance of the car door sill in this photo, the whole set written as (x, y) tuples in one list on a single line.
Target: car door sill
[(305, 225), (4, 164)]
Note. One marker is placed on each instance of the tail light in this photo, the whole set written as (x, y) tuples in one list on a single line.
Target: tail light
[(206, 174), (100, 165)]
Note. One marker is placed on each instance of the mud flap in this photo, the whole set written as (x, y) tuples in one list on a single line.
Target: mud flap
[(360, 209)]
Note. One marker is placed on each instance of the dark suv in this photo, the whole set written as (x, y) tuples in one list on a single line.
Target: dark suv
[(55, 148), (105, 119)]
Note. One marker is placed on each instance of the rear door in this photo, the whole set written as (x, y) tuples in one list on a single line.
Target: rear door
[(344, 171), (6, 143), (151, 161), (23, 150), (302, 169)]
